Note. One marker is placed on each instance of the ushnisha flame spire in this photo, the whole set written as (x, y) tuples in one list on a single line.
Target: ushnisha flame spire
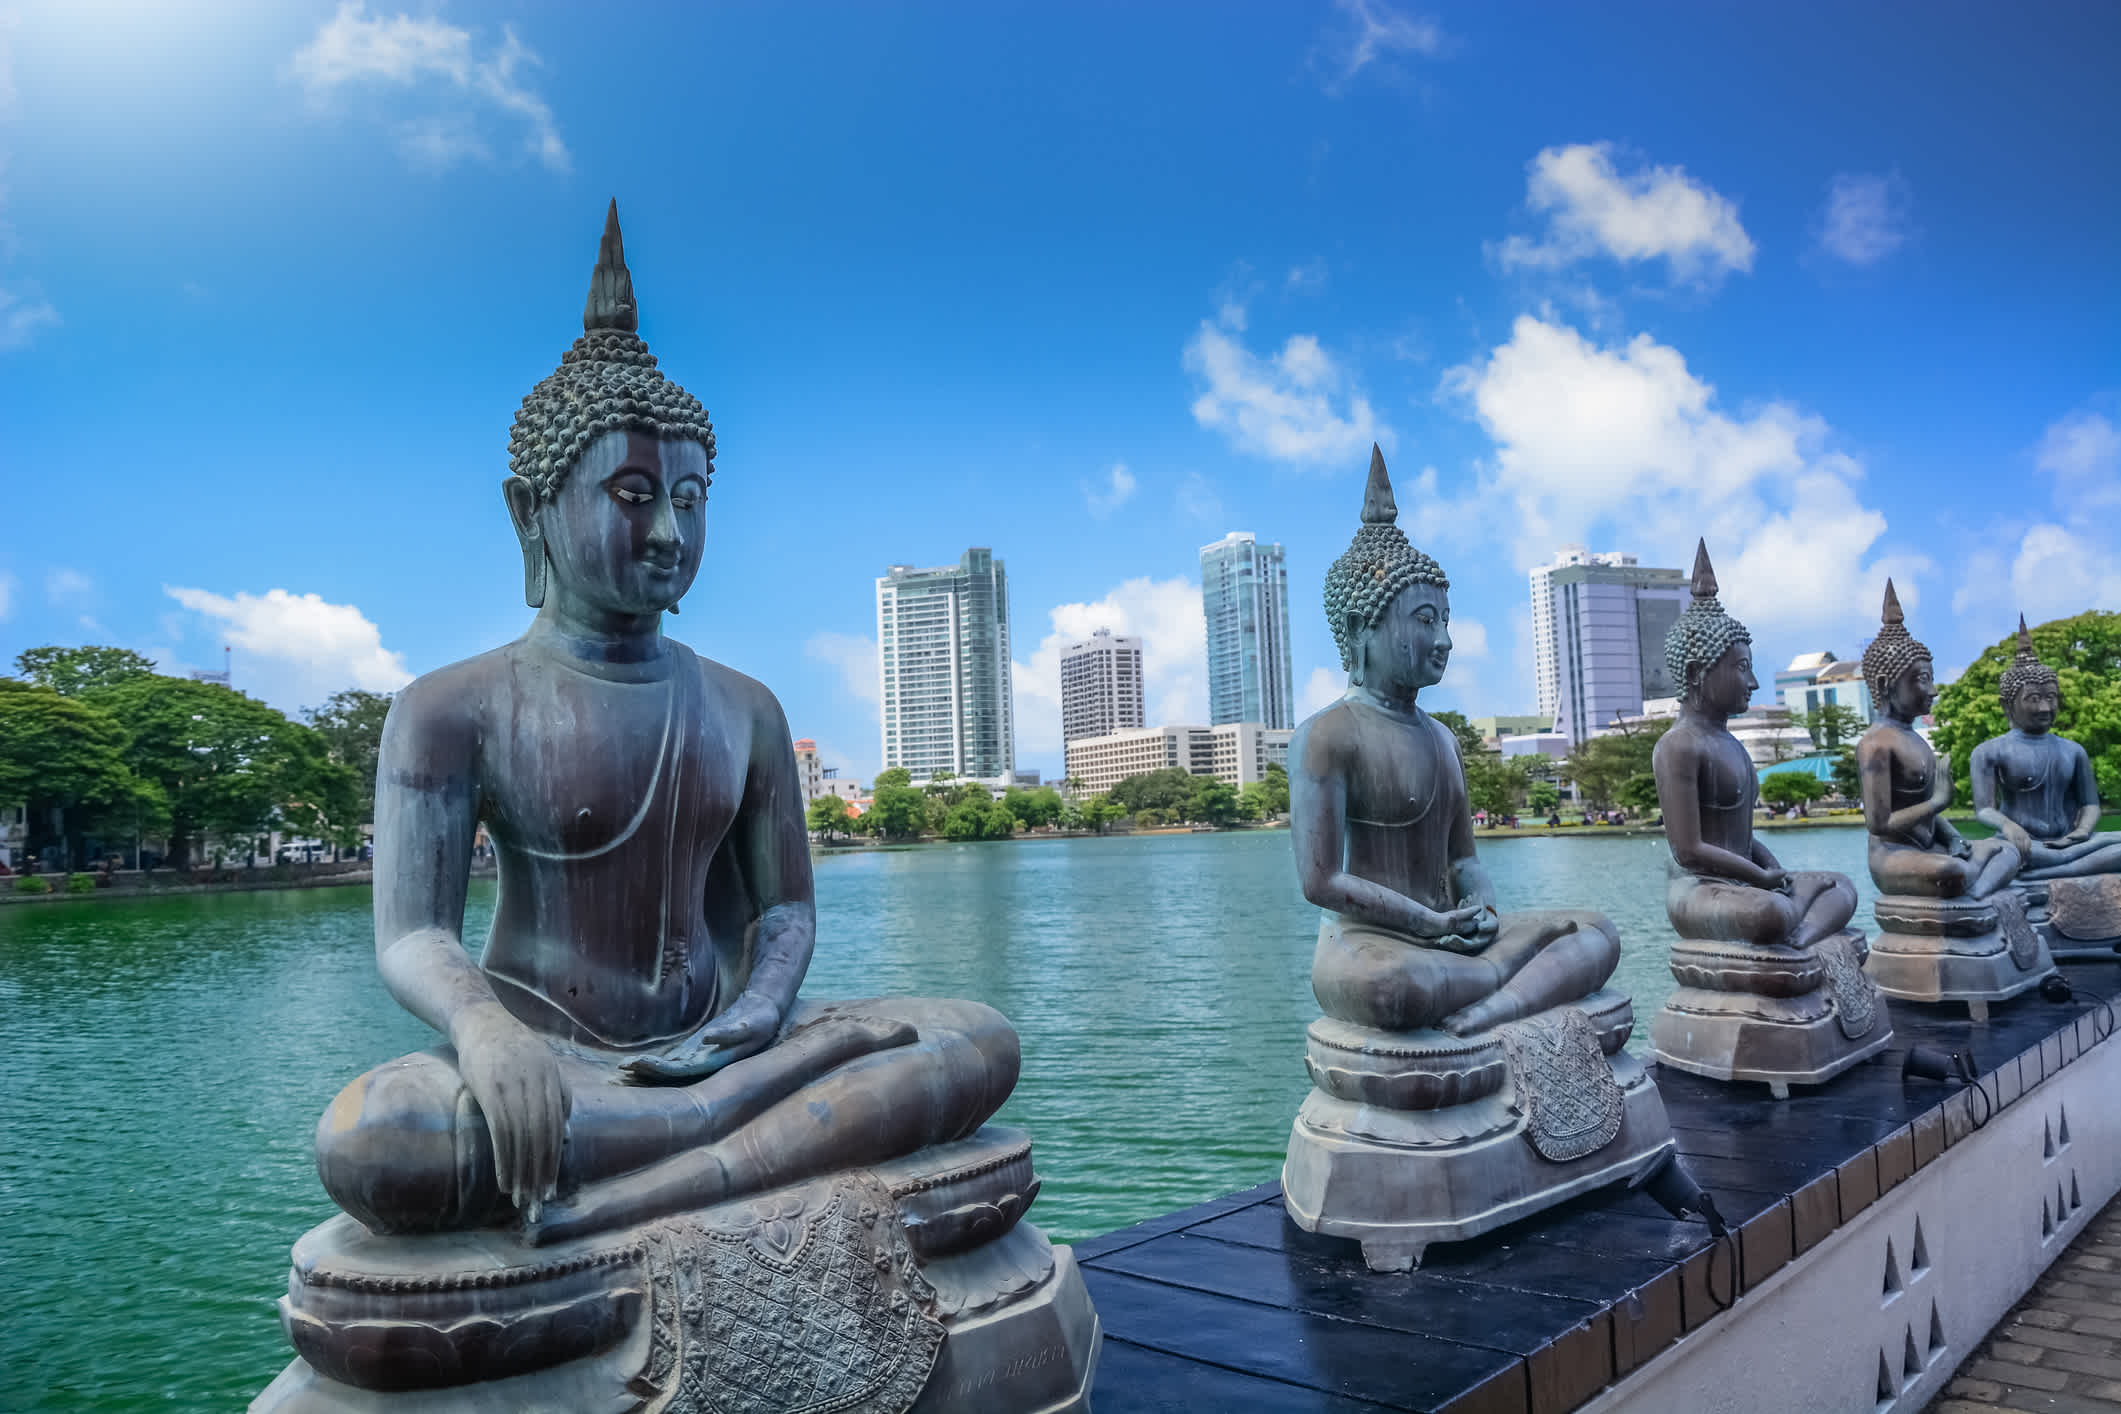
[(1363, 582), (608, 382), (1893, 651), (1704, 633), (2026, 670)]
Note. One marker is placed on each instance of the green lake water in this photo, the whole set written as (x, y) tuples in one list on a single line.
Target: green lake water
[(167, 1060)]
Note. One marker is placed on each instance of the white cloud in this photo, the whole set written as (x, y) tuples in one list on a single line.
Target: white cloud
[(7, 594), (1165, 614), (2059, 572), (1652, 213), (1372, 32), (67, 586), (1321, 690), (300, 649), (1597, 442), (1198, 500), (1469, 640), (1298, 406), (21, 316), (1118, 489), (2083, 453), (440, 62), (1306, 279), (854, 655), (1866, 217)]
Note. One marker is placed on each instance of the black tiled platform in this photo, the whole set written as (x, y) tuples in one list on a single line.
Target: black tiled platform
[(1231, 1306)]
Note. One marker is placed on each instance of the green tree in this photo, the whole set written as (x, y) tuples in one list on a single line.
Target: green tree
[(2085, 652), (1212, 801), (1833, 726), (1541, 797), (71, 672), (1604, 764), (1848, 784), (1252, 801), (896, 810), (981, 819), (826, 814), (1275, 785), (1033, 808), (1168, 789), (226, 764), (1469, 740), (1782, 789), (351, 724), (1493, 783), (64, 755), (1097, 812), (1639, 793), (896, 776)]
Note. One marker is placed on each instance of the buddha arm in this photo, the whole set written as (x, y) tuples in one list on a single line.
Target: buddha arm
[(2085, 788), (426, 816), (773, 850), (1981, 766), (1874, 769)]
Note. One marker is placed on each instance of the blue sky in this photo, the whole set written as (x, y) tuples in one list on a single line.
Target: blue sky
[(1837, 287)]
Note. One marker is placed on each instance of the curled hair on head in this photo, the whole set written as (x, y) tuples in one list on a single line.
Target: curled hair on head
[(607, 382), (1704, 633), (1893, 652), (1381, 561), (2026, 671)]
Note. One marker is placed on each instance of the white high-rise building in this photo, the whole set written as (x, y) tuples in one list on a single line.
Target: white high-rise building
[(1244, 592), (1598, 627), (943, 660), (1236, 752), (1101, 685)]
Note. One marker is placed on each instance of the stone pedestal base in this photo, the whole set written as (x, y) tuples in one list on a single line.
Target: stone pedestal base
[(1975, 951), (1779, 1016), (2079, 919), (1558, 1110), (911, 1286)]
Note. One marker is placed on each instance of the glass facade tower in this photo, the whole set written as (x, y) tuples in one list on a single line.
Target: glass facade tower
[(943, 656), (1244, 591)]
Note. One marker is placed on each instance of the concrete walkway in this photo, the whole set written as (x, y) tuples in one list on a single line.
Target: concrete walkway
[(2059, 1351)]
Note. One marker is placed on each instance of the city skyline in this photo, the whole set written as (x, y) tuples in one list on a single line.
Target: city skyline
[(1825, 287)]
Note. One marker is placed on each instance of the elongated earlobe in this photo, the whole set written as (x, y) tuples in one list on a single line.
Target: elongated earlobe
[(522, 499)]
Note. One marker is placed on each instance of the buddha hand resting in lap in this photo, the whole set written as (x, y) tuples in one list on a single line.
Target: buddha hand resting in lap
[(1914, 851), (1725, 884), (2037, 789), (1383, 833), (630, 1042)]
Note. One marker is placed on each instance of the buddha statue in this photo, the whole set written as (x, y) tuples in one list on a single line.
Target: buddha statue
[(2037, 790), (1468, 1069), (642, 1165), (1771, 986), (1948, 929)]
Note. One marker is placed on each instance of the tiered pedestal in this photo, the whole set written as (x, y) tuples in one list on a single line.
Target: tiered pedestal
[(1411, 1138), (2078, 918), (1975, 951), (1780, 1016), (909, 1286)]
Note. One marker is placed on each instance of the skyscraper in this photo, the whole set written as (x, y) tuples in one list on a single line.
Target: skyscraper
[(1244, 591), (1598, 626), (1101, 685), (943, 654)]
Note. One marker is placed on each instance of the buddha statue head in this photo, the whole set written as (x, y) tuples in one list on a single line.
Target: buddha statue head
[(1709, 653), (610, 462), (1388, 603), (1897, 667), (2031, 690)]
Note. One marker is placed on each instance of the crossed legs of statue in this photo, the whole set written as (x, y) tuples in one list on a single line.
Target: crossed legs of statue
[(1931, 873), (2101, 854), (1537, 960), (1817, 905), (405, 1148)]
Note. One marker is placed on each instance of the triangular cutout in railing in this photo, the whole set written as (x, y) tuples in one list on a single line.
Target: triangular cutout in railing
[(1919, 1258), (1892, 1272)]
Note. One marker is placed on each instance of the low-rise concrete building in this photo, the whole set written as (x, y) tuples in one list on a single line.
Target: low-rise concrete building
[(1236, 752)]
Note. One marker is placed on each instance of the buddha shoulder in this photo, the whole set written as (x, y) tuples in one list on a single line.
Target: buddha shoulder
[(449, 706)]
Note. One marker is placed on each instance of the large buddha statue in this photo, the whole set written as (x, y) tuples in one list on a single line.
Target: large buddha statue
[(641, 1165), (1468, 1069), (1948, 928), (2037, 790), (1771, 986)]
